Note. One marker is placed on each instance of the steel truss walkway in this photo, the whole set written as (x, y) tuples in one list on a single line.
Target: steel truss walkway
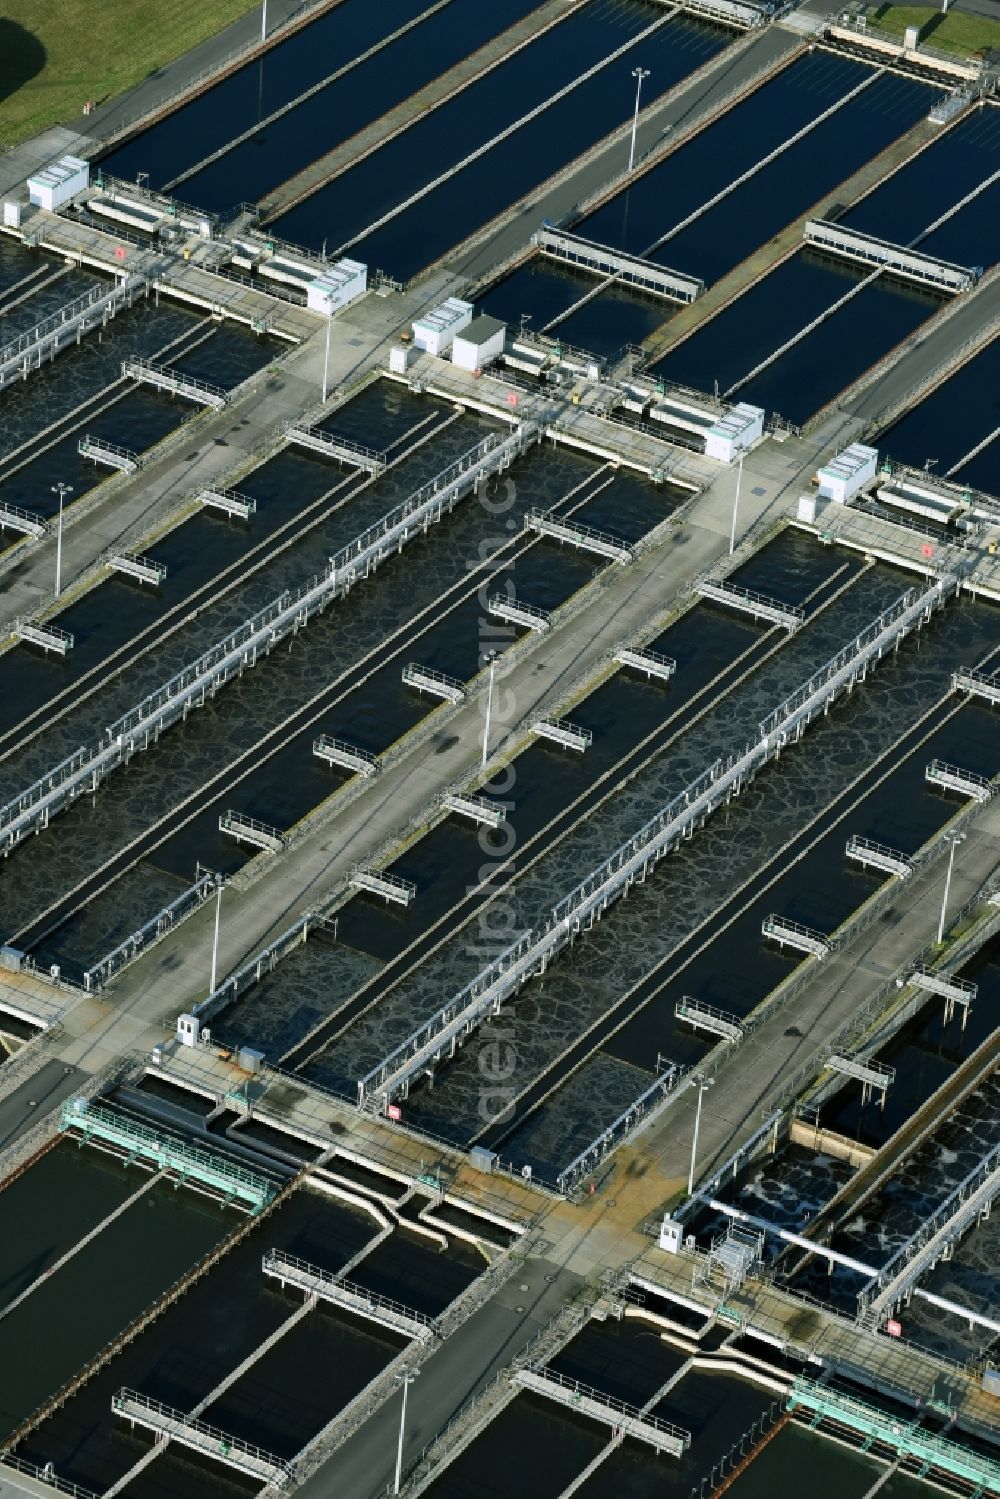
[(98, 306), (877, 856), (578, 535), (248, 830), (479, 808), (143, 569), (346, 756), (168, 1424), (322, 1286), (44, 634), (13, 518), (954, 778), (99, 1123), (748, 601), (793, 934), (631, 270), (977, 684), (702, 1017), (516, 612), (623, 1418), (908, 1439), (229, 502), (173, 383), (911, 265), (652, 663), (442, 1034), (342, 449), (935, 1239), (422, 509), (109, 454), (85, 769), (437, 683), (380, 882), (562, 732)]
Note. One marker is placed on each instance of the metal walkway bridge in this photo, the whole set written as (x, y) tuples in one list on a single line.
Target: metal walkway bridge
[(978, 684), (437, 683), (44, 341), (650, 663), (578, 535), (321, 1285), (13, 518), (229, 501), (935, 1239), (252, 832), (516, 612), (934, 1454), (953, 990), (871, 855), (422, 509), (142, 569), (609, 1411), (84, 770), (911, 265), (478, 809), (100, 1124), (44, 634), (748, 601), (168, 1424), (963, 782), (346, 756), (109, 454), (441, 1035), (391, 887), (341, 449), (631, 270), (703, 1017), (171, 382)]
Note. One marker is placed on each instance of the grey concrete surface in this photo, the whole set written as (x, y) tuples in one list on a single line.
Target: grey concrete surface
[(460, 1368)]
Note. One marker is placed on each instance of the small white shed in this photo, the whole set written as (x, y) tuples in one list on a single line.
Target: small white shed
[(734, 433), (848, 473), (340, 283), (479, 344), (60, 181), (435, 330)]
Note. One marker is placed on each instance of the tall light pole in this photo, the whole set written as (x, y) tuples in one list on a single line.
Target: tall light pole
[(326, 357), (405, 1378), (736, 506), (638, 74), (62, 490), (263, 20), (219, 884), (489, 707), (701, 1082), (954, 839)]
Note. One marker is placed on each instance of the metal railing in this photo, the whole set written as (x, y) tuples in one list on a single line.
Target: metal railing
[(318, 1281), (633, 860), (125, 1401), (946, 1224), (151, 931), (444, 490), (618, 1130), (46, 1476), (27, 342)]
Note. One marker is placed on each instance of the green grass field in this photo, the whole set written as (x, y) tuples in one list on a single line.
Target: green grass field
[(965, 35), (56, 54)]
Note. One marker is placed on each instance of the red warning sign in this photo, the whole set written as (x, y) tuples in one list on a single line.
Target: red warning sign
[(119, 252)]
